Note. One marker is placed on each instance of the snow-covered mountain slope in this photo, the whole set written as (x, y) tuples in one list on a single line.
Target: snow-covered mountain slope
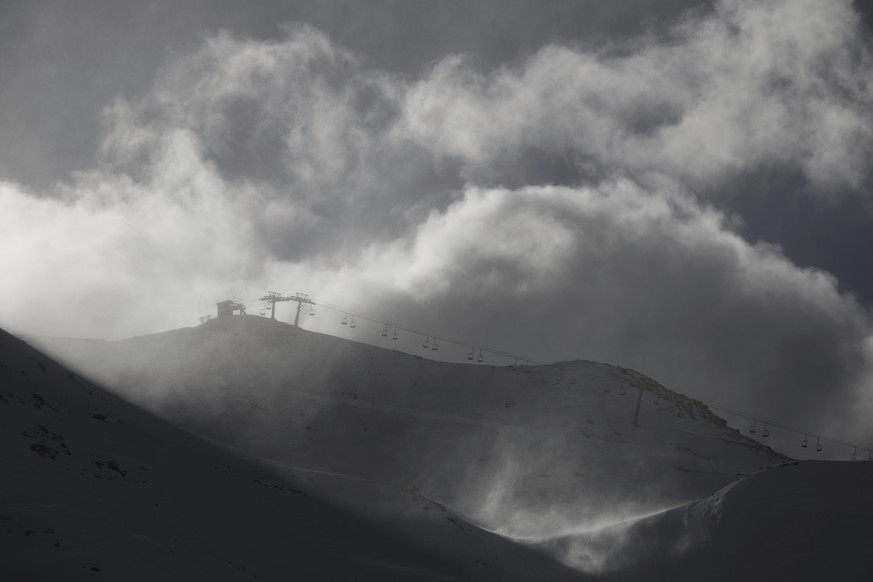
[(807, 520), (525, 451), (92, 487)]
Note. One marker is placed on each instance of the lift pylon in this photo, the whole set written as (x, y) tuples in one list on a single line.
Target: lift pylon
[(301, 300), (272, 298)]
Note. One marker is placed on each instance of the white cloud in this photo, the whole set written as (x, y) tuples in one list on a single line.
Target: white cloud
[(755, 83), (618, 273), (289, 164)]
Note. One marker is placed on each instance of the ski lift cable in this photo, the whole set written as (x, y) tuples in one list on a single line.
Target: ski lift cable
[(443, 338), (509, 356), (771, 423), (562, 370), (424, 333), (785, 427)]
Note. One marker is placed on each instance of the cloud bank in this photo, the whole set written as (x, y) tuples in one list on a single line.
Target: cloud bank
[(562, 206)]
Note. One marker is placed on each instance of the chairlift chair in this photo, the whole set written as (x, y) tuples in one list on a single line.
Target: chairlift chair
[(471, 354), (435, 346), (854, 453), (353, 323), (766, 432), (396, 335), (752, 427), (426, 343), (818, 446), (385, 331), (345, 319), (311, 311), (804, 443), (481, 358)]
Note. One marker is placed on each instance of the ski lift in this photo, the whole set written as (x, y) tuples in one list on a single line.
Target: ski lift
[(752, 427), (426, 343), (435, 346), (353, 323), (345, 319), (311, 311), (396, 335), (804, 442), (263, 312), (385, 331), (818, 446), (766, 432), (854, 453), (471, 354), (481, 358)]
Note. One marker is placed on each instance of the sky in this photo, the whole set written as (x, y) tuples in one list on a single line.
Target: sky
[(679, 187)]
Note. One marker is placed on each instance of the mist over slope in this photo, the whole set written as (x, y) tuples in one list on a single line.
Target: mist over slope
[(431, 453), (91, 486), (807, 520), (526, 451)]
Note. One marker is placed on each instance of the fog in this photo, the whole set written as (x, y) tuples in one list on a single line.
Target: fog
[(564, 204)]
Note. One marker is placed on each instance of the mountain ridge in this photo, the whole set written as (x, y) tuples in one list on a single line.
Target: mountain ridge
[(475, 437), (92, 485)]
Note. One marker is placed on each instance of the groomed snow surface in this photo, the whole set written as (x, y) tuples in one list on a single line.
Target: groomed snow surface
[(295, 455)]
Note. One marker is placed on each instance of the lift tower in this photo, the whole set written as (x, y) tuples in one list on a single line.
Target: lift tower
[(301, 300), (272, 298)]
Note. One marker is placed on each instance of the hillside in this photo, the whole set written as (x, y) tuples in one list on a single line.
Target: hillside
[(807, 520), (92, 487), (355, 462), (524, 451)]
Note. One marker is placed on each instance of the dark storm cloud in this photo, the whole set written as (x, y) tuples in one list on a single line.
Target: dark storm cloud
[(296, 164)]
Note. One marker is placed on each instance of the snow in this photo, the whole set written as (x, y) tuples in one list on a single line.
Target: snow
[(94, 487), (805, 520), (513, 448), (479, 464)]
